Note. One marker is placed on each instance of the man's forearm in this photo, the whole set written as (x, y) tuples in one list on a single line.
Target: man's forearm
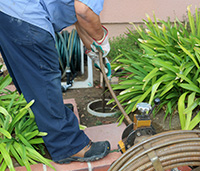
[(88, 20), (86, 39)]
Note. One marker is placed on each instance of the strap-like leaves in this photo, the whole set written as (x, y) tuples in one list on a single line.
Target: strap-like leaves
[(172, 50), (18, 130), (6, 157)]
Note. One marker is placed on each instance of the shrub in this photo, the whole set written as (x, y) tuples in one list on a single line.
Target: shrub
[(19, 134), (124, 42), (167, 66)]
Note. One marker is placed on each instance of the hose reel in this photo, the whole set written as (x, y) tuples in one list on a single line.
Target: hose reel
[(68, 47), (71, 59)]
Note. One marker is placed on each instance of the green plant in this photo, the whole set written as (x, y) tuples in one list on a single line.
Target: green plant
[(19, 135), (185, 113), (124, 42), (167, 67)]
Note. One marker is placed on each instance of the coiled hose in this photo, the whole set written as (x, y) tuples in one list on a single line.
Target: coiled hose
[(69, 51), (162, 152)]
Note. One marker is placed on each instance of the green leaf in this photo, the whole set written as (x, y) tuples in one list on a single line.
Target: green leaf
[(149, 76), (3, 166), (167, 88), (6, 157), (194, 121), (189, 112), (120, 87), (154, 89), (116, 58), (148, 50), (24, 141), (185, 78), (42, 134), (25, 158), (191, 21), (166, 65), (197, 52), (134, 99), (135, 71), (160, 41), (191, 104), (188, 68), (190, 55), (27, 123), (22, 152), (190, 87), (5, 133), (29, 105), (36, 141), (129, 108), (181, 108), (126, 91), (197, 15), (169, 109), (30, 135), (36, 155), (21, 113), (82, 127), (5, 113), (16, 156), (11, 102), (5, 82), (6, 123), (124, 61), (177, 58), (139, 66)]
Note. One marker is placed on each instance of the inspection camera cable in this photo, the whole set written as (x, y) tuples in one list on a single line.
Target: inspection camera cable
[(110, 88)]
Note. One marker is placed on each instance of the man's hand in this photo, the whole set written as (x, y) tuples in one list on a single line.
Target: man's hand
[(102, 44), (95, 57)]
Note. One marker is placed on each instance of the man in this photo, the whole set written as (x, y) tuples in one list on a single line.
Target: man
[(28, 48)]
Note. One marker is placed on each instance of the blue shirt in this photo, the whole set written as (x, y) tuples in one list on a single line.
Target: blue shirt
[(51, 15)]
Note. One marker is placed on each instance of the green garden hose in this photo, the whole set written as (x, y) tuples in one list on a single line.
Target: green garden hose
[(69, 51)]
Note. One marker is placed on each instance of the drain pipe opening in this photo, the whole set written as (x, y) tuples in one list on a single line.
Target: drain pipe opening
[(95, 108)]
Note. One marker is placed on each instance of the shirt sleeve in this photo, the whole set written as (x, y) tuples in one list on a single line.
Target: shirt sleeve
[(95, 5)]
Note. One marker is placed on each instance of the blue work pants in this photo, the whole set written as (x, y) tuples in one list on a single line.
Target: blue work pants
[(32, 61)]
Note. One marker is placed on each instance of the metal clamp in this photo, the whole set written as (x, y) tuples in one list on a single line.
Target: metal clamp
[(154, 158)]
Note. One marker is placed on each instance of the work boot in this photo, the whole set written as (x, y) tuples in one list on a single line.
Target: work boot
[(92, 152)]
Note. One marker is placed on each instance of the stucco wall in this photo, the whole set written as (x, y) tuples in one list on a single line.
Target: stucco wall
[(118, 13)]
